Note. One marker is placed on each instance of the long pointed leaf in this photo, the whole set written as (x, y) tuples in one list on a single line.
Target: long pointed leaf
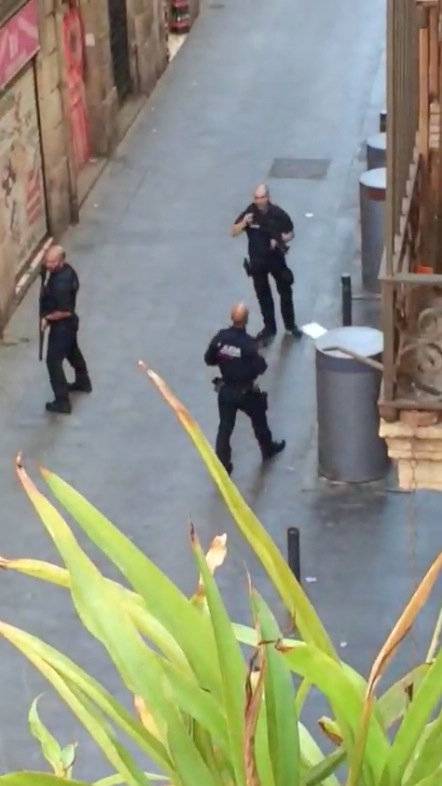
[(294, 597), (101, 612), (231, 664), (345, 699), (127, 768), (428, 755), (147, 624), (419, 711), (282, 722), (90, 688), (37, 779), (319, 768), (162, 598)]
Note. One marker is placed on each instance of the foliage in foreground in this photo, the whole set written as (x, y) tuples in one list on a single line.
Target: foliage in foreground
[(215, 703)]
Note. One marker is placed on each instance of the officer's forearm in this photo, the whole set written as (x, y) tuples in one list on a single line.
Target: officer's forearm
[(238, 228), (55, 316)]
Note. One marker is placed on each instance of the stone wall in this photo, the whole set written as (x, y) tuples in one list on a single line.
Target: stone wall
[(53, 130), (147, 42), (101, 92), (415, 444)]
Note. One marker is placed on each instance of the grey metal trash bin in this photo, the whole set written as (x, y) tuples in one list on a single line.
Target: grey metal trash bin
[(377, 151), (372, 188), (349, 446)]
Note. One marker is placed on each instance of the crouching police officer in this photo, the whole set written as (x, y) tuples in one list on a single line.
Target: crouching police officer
[(236, 354), (57, 313)]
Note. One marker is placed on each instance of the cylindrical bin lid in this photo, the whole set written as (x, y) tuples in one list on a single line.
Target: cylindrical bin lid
[(372, 190), (349, 446), (377, 151)]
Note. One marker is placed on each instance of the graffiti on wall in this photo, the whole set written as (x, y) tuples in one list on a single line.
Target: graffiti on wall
[(22, 201)]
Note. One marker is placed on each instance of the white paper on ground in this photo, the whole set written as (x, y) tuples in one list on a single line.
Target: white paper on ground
[(314, 330)]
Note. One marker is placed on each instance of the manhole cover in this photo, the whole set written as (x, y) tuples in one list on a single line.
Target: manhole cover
[(300, 168)]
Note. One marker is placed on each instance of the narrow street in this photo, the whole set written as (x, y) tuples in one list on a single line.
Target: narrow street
[(255, 81)]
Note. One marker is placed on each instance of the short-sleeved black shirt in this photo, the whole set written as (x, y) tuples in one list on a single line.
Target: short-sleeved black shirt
[(266, 226), (60, 291), (236, 354)]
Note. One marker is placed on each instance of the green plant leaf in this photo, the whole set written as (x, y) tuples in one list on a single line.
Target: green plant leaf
[(50, 748), (68, 755), (115, 780), (282, 722), (346, 700), (146, 622), (319, 769), (37, 779), (99, 608), (230, 662), (91, 689), (435, 779), (392, 704), (162, 598), (125, 766), (262, 751), (427, 754), (294, 597), (426, 698)]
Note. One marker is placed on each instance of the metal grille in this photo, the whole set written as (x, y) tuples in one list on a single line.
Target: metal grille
[(300, 168)]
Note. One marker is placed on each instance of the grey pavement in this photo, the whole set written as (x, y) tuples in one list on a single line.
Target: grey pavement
[(255, 81)]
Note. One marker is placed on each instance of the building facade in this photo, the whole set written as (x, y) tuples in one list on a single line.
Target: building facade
[(68, 71), (411, 398)]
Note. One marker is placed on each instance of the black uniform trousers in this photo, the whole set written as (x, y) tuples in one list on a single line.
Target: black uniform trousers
[(253, 403), (62, 345), (275, 266)]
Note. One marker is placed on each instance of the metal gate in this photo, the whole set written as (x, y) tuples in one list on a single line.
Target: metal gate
[(119, 46)]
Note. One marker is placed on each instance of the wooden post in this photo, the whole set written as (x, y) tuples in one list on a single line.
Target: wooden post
[(424, 94), (388, 293), (72, 169), (434, 52)]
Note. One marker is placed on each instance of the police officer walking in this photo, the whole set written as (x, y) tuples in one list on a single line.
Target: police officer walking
[(57, 313), (236, 354), (269, 230)]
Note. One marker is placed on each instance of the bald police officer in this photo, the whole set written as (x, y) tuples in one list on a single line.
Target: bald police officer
[(57, 313), (236, 354), (269, 229)]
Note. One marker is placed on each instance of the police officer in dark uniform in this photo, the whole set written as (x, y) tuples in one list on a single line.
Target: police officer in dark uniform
[(57, 313), (269, 229), (236, 354)]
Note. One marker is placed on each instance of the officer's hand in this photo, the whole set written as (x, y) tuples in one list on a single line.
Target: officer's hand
[(248, 219), (43, 324), (273, 243)]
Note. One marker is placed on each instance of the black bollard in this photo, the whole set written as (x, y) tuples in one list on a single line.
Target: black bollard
[(294, 552), (383, 121), (346, 300)]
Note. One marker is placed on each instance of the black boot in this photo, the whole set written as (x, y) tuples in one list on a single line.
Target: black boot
[(273, 449), (295, 332), (265, 336), (62, 406), (81, 386)]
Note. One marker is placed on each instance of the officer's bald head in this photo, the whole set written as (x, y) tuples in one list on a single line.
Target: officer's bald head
[(261, 196), (54, 257), (239, 315)]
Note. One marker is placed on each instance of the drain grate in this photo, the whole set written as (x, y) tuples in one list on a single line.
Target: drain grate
[(300, 168), (216, 6)]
